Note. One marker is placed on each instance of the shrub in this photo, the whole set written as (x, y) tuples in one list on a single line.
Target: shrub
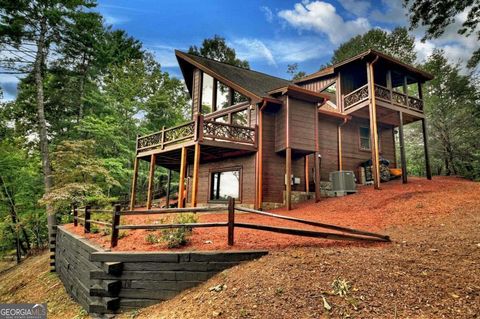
[(151, 238), (178, 237)]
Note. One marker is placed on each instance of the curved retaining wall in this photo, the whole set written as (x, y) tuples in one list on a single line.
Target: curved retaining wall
[(108, 282)]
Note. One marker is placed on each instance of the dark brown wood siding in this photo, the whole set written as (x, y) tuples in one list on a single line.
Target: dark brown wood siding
[(302, 125), (318, 84), (273, 162), (279, 133)]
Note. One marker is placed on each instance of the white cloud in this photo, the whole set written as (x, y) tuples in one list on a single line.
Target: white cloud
[(253, 49), (267, 12), (275, 51), (114, 20), (321, 17), (393, 13), (9, 83), (358, 8), (164, 54)]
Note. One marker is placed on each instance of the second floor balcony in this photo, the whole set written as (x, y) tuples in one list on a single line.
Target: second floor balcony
[(384, 94), (203, 131)]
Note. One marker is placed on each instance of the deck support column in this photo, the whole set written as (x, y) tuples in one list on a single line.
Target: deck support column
[(316, 162), (196, 164), (169, 182), (151, 177), (403, 158), (373, 126), (133, 194), (339, 138), (307, 175), (259, 198), (288, 178), (428, 169), (181, 181)]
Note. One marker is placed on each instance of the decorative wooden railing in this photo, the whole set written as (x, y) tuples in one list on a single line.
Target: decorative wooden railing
[(385, 94), (198, 130)]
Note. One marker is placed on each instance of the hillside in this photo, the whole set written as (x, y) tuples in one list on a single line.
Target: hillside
[(32, 282), (431, 270)]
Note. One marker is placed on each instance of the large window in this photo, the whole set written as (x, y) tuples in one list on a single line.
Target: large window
[(364, 134), (225, 184), (207, 87)]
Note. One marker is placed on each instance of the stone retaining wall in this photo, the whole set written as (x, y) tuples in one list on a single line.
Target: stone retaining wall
[(108, 282)]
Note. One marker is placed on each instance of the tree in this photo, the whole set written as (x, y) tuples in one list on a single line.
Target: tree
[(452, 107), (217, 49), (80, 176), (396, 43), (436, 15), (292, 69), (39, 24)]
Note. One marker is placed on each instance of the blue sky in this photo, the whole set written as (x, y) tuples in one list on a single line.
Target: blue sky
[(269, 34)]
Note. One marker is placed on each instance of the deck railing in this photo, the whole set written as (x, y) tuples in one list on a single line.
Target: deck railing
[(383, 93), (198, 130)]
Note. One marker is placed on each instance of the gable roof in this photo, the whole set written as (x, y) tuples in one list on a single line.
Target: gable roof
[(371, 52), (253, 84)]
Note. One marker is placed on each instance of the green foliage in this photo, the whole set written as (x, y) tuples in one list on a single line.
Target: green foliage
[(216, 48), (452, 108), (397, 43), (437, 15), (177, 237), (79, 176), (295, 74)]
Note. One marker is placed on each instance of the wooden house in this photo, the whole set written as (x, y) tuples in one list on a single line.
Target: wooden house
[(249, 131)]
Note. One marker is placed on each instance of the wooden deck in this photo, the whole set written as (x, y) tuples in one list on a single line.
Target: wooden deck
[(214, 135)]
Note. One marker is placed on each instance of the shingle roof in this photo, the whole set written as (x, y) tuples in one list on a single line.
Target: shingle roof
[(254, 82)]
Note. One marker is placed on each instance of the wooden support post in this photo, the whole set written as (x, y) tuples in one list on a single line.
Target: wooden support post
[(196, 165), (373, 127), (403, 158), (87, 219), (214, 95), (316, 159), (231, 220), (75, 215), (115, 223), (181, 181), (307, 175), (134, 184), (428, 169), (260, 161), (288, 178), (169, 181), (151, 181), (339, 139), (316, 162)]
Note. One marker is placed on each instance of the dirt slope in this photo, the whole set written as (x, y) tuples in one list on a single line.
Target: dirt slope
[(32, 282), (431, 270)]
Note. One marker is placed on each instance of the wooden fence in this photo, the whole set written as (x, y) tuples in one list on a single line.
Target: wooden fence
[(342, 233)]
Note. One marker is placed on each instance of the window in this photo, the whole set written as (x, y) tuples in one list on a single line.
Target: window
[(364, 133), (240, 118), (207, 89), (225, 184), (364, 138)]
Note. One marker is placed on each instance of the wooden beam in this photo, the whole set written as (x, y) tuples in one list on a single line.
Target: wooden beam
[(169, 181), (307, 175), (260, 160), (181, 181), (151, 177), (288, 178), (230, 96), (316, 162), (339, 138), (428, 169), (134, 184), (403, 158), (214, 95), (373, 127), (196, 165)]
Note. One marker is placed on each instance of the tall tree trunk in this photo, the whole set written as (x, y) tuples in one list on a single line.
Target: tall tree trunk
[(42, 123)]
